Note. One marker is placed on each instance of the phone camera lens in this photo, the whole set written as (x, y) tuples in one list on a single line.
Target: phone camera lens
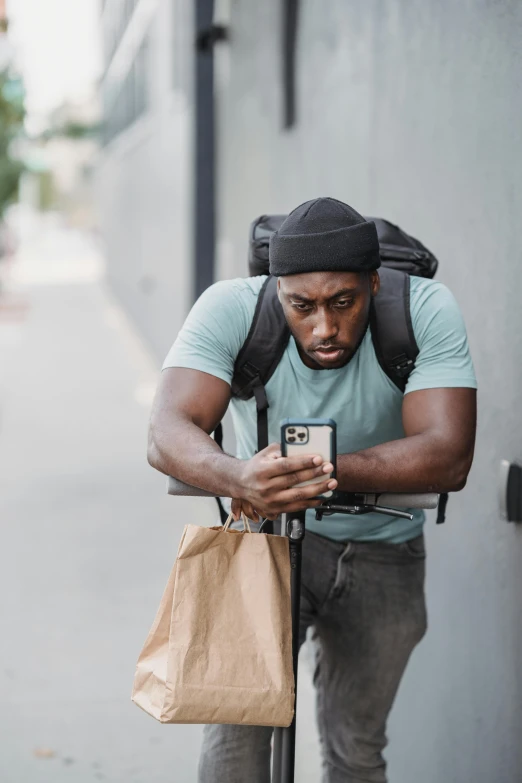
[(291, 430), (291, 439), (302, 435)]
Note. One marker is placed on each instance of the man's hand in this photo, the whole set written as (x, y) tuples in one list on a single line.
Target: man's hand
[(267, 484)]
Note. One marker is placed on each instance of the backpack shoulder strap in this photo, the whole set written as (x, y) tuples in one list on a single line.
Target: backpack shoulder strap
[(393, 338), (260, 354), (391, 327)]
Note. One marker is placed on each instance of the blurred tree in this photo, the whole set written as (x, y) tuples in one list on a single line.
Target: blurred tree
[(79, 130), (12, 115), (72, 130), (47, 191)]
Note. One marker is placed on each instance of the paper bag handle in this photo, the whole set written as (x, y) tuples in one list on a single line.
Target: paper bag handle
[(246, 524)]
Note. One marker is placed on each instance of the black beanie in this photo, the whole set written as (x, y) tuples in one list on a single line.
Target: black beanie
[(324, 235)]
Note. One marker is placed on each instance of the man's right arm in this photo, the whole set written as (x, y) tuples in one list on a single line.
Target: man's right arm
[(188, 406)]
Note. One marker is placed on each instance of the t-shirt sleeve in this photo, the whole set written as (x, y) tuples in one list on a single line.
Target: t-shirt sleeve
[(444, 358), (215, 330)]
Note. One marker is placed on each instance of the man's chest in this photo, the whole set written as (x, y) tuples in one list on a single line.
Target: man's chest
[(359, 398)]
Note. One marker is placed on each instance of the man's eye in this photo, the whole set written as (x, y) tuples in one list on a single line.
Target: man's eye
[(342, 303), (301, 306)]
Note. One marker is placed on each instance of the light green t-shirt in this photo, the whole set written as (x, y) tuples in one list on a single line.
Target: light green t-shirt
[(359, 397)]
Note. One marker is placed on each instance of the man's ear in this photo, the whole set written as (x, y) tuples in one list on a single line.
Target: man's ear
[(279, 288), (375, 282)]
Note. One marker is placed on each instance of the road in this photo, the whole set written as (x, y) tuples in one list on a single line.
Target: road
[(88, 535)]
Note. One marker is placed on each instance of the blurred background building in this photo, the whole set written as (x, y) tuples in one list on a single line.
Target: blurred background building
[(199, 116), (145, 182)]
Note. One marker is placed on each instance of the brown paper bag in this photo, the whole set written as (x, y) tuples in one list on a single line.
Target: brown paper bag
[(220, 648)]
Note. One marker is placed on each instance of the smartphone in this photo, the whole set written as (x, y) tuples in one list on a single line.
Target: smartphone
[(311, 436)]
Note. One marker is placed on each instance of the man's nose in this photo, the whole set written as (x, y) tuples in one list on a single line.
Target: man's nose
[(325, 327)]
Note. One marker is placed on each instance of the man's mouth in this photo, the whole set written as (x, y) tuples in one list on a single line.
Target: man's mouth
[(329, 354)]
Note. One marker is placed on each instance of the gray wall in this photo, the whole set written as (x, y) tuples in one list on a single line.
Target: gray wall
[(413, 111), (144, 177)]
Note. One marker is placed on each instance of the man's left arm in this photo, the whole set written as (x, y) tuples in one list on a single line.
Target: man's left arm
[(435, 455), (438, 409)]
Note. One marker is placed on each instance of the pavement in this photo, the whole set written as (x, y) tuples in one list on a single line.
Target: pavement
[(88, 535)]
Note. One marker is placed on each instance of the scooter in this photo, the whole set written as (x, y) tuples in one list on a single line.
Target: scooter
[(293, 526)]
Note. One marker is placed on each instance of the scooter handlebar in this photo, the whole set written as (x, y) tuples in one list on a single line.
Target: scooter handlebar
[(177, 487), (399, 499), (405, 499)]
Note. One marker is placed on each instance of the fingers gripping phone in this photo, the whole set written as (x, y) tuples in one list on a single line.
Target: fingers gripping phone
[(310, 436)]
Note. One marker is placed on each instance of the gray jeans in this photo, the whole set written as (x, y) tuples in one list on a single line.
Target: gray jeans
[(366, 604)]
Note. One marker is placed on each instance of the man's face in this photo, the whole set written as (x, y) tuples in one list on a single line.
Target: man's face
[(327, 313)]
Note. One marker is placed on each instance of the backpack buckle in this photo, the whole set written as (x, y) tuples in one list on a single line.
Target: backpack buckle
[(250, 380), (250, 371), (402, 365)]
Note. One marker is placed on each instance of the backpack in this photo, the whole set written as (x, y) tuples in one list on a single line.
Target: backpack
[(390, 320)]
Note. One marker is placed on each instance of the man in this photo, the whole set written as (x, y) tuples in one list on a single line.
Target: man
[(363, 577)]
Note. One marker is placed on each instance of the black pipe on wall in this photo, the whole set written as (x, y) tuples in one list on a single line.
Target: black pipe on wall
[(204, 192), (289, 40)]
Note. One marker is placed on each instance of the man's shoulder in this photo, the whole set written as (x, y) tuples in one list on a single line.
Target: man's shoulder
[(440, 330), (227, 309), (217, 327), (430, 301), (244, 289), (423, 289)]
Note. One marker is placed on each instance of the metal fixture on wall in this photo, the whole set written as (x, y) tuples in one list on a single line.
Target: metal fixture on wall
[(510, 491), (206, 38)]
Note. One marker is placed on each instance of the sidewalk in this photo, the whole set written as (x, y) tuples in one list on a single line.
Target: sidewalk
[(88, 533)]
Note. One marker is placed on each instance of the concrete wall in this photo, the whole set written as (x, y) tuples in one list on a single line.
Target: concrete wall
[(144, 176), (413, 111)]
